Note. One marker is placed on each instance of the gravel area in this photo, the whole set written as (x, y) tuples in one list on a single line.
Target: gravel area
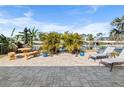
[(64, 59)]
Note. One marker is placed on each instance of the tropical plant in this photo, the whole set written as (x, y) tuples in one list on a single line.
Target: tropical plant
[(12, 46), (115, 35), (4, 40), (13, 32), (90, 40), (51, 42), (42, 35), (117, 32), (8, 44), (99, 36), (28, 36), (118, 23), (72, 42), (32, 35), (24, 35)]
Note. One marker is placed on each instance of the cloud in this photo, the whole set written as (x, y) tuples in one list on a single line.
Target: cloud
[(28, 21), (28, 14), (95, 28), (93, 8), (90, 9), (1, 14)]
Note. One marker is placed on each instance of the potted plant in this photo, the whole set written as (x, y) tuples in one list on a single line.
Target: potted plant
[(82, 53), (61, 49), (45, 54)]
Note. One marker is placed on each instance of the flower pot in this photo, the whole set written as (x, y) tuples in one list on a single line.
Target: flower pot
[(82, 53), (61, 50), (45, 55)]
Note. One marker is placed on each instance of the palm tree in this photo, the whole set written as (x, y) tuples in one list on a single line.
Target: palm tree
[(41, 35), (12, 46), (8, 43), (72, 42), (28, 36), (78, 42), (68, 41), (118, 23), (33, 35), (51, 42), (24, 35), (99, 35), (4, 40), (115, 34), (118, 29), (13, 32), (90, 38), (12, 43), (4, 43)]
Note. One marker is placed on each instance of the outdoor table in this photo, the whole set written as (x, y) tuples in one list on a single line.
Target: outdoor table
[(24, 50)]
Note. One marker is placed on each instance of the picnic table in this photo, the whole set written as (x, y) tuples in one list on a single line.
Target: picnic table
[(24, 50)]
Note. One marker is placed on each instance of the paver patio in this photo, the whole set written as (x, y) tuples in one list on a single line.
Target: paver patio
[(61, 76)]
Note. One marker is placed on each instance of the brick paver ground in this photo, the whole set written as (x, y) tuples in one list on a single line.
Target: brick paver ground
[(66, 76)]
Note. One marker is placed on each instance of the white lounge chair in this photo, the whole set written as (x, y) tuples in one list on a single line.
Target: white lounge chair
[(113, 61), (103, 55)]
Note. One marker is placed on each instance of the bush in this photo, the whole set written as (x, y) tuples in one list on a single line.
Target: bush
[(102, 47)]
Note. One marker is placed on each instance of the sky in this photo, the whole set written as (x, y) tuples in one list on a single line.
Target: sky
[(87, 19)]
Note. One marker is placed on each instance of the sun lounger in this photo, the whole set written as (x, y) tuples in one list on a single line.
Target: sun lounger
[(103, 55), (114, 61)]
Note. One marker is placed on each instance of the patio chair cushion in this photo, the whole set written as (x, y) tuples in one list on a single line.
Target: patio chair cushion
[(121, 55), (113, 60), (109, 50), (105, 54), (99, 56)]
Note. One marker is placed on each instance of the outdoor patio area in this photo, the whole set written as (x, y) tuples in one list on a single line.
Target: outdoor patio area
[(63, 70), (66, 76), (54, 46), (63, 59)]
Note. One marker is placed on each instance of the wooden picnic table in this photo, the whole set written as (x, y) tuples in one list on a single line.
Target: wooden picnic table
[(25, 51)]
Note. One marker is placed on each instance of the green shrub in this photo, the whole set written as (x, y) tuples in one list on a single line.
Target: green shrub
[(102, 47)]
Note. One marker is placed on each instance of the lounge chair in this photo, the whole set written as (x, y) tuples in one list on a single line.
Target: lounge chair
[(103, 55), (114, 61)]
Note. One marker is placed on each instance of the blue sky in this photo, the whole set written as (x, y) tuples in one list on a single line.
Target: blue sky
[(60, 18)]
